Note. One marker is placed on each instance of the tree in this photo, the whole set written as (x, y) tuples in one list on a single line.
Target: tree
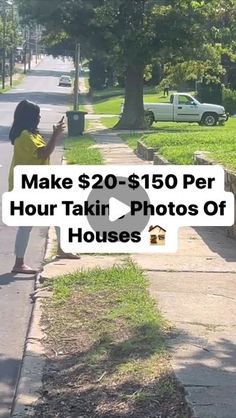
[(9, 37), (133, 32), (60, 46)]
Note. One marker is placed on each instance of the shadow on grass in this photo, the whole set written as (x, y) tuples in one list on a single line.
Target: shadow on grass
[(102, 99), (109, 380)]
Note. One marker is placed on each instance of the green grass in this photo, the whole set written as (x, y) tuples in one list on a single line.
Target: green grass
[(80, 150), (156, 98), (123, 292), (109, 122), (128, 279), (14, 84), (131, 139), (110, 336), (109, 101), (108, 92), (177, 142), (108, 106)]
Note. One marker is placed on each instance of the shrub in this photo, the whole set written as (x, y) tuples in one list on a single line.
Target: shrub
[(229, 101)]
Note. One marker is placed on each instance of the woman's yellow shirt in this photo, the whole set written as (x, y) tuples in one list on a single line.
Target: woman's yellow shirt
[(25, 152)]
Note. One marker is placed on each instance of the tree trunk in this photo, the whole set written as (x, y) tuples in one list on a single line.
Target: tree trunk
[(133, 113)]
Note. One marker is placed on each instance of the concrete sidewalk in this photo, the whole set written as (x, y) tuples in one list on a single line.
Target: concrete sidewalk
[(195, 289)]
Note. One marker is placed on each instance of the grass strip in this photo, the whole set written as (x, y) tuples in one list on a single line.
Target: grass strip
[(15, 83), (109, 122), (81, 150), (105, 349)]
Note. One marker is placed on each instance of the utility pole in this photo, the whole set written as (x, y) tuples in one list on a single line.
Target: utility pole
[(36, 43), (30, 58), (25, 70), (4, 50), (12, 44), (36, 50), (76, 84), (25, 50), (29, 49)]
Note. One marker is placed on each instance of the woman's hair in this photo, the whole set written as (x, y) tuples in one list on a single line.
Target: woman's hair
[(26, 117)]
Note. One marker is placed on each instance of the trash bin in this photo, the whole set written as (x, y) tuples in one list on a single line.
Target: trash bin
[(75, 122)]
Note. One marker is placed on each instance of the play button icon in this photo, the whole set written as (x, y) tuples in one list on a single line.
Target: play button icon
[(118, 217), (117, 209)]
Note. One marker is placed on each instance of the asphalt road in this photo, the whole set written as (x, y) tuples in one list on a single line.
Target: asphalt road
[(41, 86)]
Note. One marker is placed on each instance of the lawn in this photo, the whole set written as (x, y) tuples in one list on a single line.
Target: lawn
[(109, 101), (109, 122), (105, 349), (80, 150), (131, 139), (109, 106), (178, 142)]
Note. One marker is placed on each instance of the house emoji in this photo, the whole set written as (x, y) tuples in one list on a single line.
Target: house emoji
[(157, 235)]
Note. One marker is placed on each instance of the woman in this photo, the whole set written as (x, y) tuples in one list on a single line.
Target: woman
[(30, 148)]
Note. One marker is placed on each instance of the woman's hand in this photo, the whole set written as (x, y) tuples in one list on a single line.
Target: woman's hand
[(59, 128)]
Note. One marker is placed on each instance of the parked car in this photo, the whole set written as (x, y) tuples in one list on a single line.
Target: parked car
[(65, 81), (185, 108)]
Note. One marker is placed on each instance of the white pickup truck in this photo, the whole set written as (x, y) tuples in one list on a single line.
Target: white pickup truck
[(185, 108)]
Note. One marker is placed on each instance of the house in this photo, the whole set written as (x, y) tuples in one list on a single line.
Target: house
[(157, 235)]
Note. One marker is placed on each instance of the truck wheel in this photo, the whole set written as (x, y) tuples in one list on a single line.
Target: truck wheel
[(209, 119), (149, 117)]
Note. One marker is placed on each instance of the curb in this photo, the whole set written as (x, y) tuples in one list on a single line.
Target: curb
[(30, 376), (145, 152), (29, 382), (202, 158), (158, 159)]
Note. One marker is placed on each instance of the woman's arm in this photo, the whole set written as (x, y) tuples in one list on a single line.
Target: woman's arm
[(45, 152)]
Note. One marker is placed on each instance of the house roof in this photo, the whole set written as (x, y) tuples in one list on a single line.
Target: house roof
[(156, 226)]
